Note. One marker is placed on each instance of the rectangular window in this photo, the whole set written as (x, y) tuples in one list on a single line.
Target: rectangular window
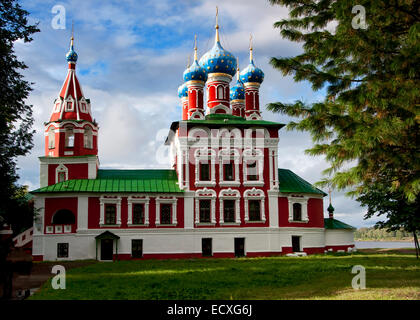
[(69, 106), (62, 250), (254, 210), (251, 168), (297, 212), (138, 213), (61, 176), (229, 210), (205, 210), (206, 247), (110, 214), (165, 213), (228, 171), (204, 172), (137, 248)]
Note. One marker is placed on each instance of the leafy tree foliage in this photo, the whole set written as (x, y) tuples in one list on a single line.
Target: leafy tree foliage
[(367, 127), (399, 213), (15, 115)]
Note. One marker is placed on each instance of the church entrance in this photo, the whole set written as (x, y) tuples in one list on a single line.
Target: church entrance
[(106, 240), (239, 247), (107, 246)]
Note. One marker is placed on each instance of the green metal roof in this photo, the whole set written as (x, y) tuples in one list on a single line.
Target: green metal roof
[(336, 224), (291, 182), (157, 180), (150, 180), (225, 119)]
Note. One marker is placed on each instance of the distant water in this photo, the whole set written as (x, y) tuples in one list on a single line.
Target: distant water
[(384, 244)]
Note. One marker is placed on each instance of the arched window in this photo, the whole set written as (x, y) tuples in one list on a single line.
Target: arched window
[(63, 216), (51, 138), (69, 137), (88, 138), (297, 212), (220, 94)]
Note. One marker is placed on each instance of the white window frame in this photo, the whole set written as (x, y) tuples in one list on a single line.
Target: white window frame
[(51, 138), (303, 200), (205, 194), (88, 138), (138, 200), (201, 155), (251, 155), (72, 102), (67, 136), (166, 200), (230, 194), (103, 200), (255, 194), (61, 168), (226, 156)]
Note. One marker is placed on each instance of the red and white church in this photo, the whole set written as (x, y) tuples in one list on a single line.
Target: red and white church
[(224, 195)]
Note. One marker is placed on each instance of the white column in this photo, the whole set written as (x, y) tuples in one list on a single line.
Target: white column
[(174, 213), (130, 213), (157, 221), (119, 211), (189, 210), (82, 212), (213, 210), (102, 214), (146, 213), (273, 208), (237, 211)]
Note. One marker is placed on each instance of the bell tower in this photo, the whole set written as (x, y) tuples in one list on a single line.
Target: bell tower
[(71, 134)]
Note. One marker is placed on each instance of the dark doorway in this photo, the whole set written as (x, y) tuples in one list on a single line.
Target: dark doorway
[(239, 247), (206, 247), (137, 248), (107, 246), (296, 243)]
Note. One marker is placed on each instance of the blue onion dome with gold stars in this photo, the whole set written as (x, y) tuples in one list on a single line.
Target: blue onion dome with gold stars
[(218, 60), (71, 56), (195, 72), (183, 91), (252, 74), (237, 92)]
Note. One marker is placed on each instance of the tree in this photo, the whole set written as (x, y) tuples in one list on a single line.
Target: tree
[(400, 213), (367, 126), (15, 115)]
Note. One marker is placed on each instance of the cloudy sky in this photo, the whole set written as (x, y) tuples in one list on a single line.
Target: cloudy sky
[(131, 57)]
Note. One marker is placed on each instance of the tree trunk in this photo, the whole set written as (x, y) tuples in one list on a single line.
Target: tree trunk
[(416, 244)]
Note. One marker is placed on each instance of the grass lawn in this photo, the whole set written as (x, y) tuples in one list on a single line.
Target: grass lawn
[(390, 275)]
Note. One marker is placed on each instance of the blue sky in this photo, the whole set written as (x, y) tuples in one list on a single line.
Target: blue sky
[(131, 58)]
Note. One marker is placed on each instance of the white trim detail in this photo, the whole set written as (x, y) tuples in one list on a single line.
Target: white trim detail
[(134, 200), (109, 200), (170, 200), (205, 194), (303, 200), (253, 155), (230, 194), (202, 155), (225, 156), (60, 169), (219, 107), (255, 194)]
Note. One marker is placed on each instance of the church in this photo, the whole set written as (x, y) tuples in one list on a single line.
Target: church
[(222, 196)]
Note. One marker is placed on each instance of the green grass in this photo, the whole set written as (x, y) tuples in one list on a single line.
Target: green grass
[(388, 276)]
